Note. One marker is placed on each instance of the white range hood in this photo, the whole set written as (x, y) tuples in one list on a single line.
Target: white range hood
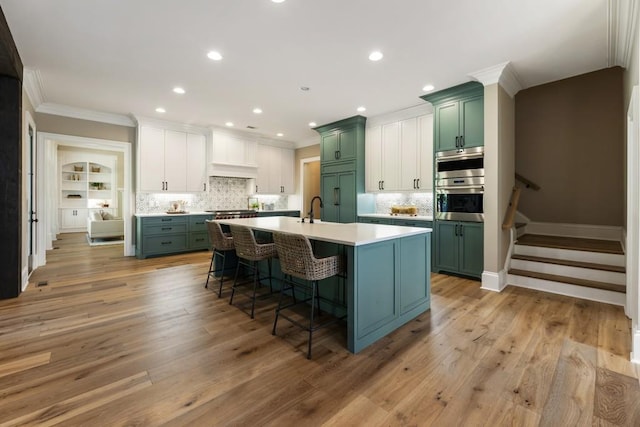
[(233, 154)]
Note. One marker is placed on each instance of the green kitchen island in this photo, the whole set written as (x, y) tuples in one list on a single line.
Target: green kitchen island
[(388, 273)]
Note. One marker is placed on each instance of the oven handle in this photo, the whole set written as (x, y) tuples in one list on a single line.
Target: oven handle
[(461, 189), (465, 156)]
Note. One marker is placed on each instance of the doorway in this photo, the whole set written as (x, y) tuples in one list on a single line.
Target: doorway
[(310, 179), (48, 148)]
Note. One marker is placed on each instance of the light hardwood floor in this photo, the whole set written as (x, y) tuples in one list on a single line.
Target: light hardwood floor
[(118, 341)]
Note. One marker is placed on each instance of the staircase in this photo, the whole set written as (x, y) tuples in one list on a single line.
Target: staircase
[(585, 268)]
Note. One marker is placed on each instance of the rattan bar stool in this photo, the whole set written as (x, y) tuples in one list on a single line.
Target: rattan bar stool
[(249, 253), (222, 246), (297, 260)]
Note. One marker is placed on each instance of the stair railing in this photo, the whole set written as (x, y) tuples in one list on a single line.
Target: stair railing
[(510, 215), (527, 183)]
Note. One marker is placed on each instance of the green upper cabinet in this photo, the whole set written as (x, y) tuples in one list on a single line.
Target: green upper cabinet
[(343, 140), (458, 117)]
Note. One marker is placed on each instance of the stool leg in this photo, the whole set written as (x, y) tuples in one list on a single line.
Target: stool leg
[(275, 321), (255, 286), (313, 296), (235, 281), (206, 285), (224, 258), (318, 299), (270, 281)]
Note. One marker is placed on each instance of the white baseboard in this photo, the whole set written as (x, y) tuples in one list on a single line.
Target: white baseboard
[(25, 278), (585, 231), (635, 347), (494, 282)]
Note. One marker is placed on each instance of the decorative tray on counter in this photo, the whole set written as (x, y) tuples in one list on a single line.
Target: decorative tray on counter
[(177, 212), (404, 210)]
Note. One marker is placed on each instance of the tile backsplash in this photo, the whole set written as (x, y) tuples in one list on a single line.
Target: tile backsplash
[(423, 201), (224, 193)]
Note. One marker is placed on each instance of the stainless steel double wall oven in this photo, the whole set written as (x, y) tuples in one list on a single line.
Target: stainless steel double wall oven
[(460, 185)]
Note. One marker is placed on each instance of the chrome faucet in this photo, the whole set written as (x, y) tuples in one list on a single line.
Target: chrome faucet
[(311, 208)]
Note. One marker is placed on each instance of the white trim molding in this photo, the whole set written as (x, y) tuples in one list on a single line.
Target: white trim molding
[(620, 30), (503, 74), (32, 83), (635, 346), (494, 282), (85, 114), (165, 124), (404, 114)]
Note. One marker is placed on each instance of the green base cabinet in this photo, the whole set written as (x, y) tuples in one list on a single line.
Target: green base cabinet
[(458, 117), (164, 235), (459, 247)]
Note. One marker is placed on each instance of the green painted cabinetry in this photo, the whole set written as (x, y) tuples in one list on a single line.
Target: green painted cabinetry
[(458, 117), (169, 234), (342, 185), (459, 247)]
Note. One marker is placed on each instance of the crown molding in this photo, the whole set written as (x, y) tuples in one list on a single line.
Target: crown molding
[(84, 114), (399, 115), (32, 83), (165, 124), (503, 74), (621, 22)]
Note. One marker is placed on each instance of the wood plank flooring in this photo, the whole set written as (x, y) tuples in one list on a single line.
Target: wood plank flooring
[(116, 341)]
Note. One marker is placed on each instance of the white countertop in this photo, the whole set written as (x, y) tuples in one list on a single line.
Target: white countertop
[(353, 234), (389, 216), (178, 215)]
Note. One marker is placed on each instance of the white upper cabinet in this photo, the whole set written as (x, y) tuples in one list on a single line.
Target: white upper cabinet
[(399, 155), (170, 160), (275, 170), (196, 166), (231, 149)]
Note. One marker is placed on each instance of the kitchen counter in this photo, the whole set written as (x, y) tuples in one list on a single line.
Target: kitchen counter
[(353, 234), (388, 272), (146, 215), (389, 216)]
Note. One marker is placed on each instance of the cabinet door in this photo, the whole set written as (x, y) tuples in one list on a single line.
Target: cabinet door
[(264, 169), (151, 159), (447, 126), (329, 147), (425, 152), (373, 158), (391, 156), (275, 161), (196, 163), (347, 143), (414, 272), (471, 248), (472, 122), (447, 245), (73, 219), (347, 211), (329, 190), (175, 160), (410, 155), (287, 167)]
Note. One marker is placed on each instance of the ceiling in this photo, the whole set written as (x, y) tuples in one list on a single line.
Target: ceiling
[(125, 57)]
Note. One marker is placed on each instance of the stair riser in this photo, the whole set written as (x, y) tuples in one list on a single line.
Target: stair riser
[(566, 254), (591, 294), (570, 271)]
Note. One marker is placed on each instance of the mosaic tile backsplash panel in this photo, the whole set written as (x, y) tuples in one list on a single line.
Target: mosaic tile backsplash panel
[(423, 201), (224, 193)]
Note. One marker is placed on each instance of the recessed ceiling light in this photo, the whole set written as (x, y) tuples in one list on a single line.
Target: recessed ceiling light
[(313, 124), (257, 110), (428, 88), (279, 134), (229, 124), (376, 55), (216, 56), (160, 110), (277, 1), (179, 90), (361, 109)]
